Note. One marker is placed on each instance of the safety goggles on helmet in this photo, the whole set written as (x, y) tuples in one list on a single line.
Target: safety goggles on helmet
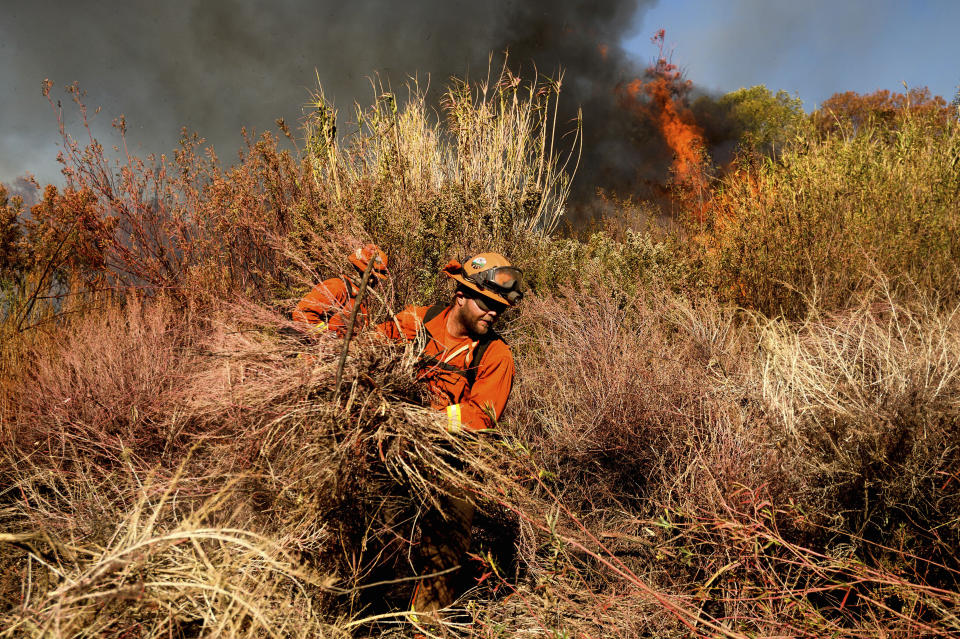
[(505, 281)]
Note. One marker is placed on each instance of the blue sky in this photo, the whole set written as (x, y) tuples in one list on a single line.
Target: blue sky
[(810, 48)]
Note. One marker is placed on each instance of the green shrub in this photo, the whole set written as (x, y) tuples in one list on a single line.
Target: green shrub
[(755, 117), (836, 208)]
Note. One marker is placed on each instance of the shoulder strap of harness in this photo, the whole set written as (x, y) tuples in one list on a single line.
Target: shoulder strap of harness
[(427, 360), (424, 336), (433, 312)]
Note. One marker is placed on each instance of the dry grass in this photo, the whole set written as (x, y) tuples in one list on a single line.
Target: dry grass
[(490, 171), (174, 463), (691, 442), (164, 574), (866, 403), (657, 470), (598, 391)]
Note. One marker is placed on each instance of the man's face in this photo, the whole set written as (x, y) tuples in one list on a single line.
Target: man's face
[(478, 314)]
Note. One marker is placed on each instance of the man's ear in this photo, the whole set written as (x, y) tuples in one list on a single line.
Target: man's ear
[(459, 299)]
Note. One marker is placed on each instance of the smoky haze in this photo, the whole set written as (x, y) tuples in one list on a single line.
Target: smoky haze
[(215, 66)]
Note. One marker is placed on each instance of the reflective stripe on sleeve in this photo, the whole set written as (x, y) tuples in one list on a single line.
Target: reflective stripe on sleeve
[(453, 418)]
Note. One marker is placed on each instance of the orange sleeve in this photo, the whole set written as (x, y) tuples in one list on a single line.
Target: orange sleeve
[(490, 390), (404, 325), (326, 298)]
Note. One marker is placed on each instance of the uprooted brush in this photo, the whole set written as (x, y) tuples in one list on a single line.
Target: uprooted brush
[(239, 499), (263, 481)]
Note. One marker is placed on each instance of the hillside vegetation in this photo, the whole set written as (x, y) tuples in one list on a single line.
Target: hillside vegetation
[(745, 426)]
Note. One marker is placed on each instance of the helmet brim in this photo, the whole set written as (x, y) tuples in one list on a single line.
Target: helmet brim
[(380, 274), (465, 282)]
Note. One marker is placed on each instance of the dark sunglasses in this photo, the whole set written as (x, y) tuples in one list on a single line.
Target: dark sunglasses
[(489, 305)]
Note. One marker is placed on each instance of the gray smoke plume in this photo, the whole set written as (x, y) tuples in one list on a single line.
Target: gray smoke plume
[(214, 66)]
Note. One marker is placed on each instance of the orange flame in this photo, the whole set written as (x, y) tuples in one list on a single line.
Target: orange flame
[(634, 87), (659, 98), (681, 134), (654, 100)]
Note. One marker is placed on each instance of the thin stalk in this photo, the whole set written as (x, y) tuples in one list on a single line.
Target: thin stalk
[(350, 324)]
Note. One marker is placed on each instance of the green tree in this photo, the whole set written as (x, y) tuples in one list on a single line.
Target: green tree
[(761, 120)]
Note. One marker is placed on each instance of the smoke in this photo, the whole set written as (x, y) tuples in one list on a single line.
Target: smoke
[(585, 39), (26, 190), (215, 66)]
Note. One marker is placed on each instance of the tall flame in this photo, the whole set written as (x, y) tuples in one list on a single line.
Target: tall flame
[(659, 96)]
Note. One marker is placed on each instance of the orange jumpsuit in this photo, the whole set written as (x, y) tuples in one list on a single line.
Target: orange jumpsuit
[(447, 358), (329, 304), (447, 361)]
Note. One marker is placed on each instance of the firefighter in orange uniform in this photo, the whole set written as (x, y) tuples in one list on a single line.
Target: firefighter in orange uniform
[(469, 370), (329, 304)]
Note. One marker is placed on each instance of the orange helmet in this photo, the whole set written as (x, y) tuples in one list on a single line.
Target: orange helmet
[(362, 256), (489, 274)]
